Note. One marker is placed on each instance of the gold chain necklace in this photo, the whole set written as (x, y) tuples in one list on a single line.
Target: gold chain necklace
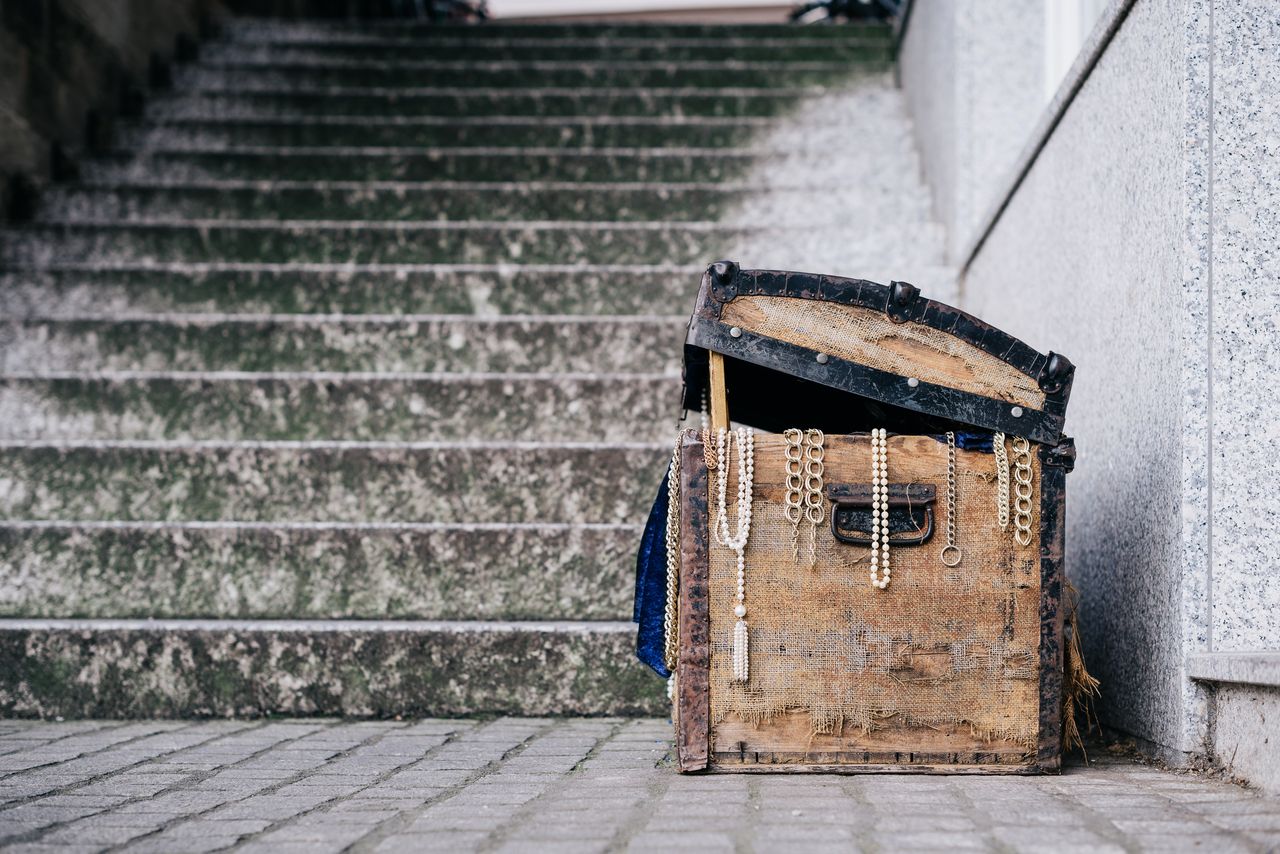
[(671, 646), (1002, 480), (1022, 491), (792, 462), (951, 554), (814, 468)]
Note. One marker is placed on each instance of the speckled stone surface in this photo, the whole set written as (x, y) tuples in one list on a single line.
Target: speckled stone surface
[(425, 571), (333, 481), (86, 290), (222, 668), (385, 343), (1246, 325), (874, 224), (973, 75), (1245, 721), (347, 406), (1103, 213)]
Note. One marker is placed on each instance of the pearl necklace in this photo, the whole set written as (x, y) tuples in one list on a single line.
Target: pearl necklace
[(879, 508), (737, 542)]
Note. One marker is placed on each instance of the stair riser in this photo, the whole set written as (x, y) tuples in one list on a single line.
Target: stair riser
[(469, 202), (575, 50), (437, 345), (451, 484), (362, 245), (552, 409), (464, 102), (431, 34), (569, 133), (337, 291), (198, 672), (447, 165), (334, 573), (233, 78)]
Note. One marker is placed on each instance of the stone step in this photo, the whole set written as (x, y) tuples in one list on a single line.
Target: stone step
[(223, 668), (277, 32), (109, 290), (239, 75), (503, 165), (445, 482), (418, 201), (230, 570), (894, 252), (440, 344), (106, 241), (562, 49), (337, 406), (214, 132), (465, 101), (885, 251)]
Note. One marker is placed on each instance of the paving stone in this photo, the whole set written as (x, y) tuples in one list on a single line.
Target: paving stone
[(561, 846), (493, 801), (92, 832), (460, 841), (164, 843), (1035, 840), (681, 842)]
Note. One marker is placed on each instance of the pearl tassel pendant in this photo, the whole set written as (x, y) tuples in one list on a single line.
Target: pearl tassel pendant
[(741, 656), (737, 542)]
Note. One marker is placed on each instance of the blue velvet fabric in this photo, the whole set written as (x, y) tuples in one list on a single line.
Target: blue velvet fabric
[(651, 585), (984, 442)]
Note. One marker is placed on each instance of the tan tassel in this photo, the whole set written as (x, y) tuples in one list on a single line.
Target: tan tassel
[(741, 662), (1079, 688)]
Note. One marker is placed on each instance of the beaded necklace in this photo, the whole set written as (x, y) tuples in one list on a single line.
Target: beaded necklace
[(737, 541), (879, 508)]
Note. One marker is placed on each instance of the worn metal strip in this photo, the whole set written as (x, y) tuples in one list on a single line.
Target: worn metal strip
[(1053, 506), (868, 294), (927, 398)]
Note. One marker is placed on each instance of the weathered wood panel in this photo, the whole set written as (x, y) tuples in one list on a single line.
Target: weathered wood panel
[(693, 698), (944, 668)]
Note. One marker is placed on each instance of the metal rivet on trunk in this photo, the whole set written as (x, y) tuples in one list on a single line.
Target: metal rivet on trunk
[(823, 358), (1016, 412), (913, 382), (736, 332)]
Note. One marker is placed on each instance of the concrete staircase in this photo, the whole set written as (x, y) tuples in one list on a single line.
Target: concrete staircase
[(343, 385)]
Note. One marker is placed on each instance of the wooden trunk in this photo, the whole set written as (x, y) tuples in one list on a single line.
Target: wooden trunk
[(955, 669)]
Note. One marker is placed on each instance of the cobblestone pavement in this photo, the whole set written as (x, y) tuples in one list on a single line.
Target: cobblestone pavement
[(576, 785)]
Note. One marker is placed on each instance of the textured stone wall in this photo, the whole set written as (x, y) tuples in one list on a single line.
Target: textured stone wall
[(69, 67), (1142, 243), (973, 74), (1088, 260), (1243, 115)]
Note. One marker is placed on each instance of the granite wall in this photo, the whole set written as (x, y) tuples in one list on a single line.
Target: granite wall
[(69, 68), (1087, 260), (973, 75), (1144, 242)]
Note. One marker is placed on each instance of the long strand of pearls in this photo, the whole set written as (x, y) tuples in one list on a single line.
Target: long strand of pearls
[(737, 542), (879, 508)]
